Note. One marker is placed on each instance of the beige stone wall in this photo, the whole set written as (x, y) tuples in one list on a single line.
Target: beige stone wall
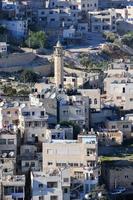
[(17, 59)]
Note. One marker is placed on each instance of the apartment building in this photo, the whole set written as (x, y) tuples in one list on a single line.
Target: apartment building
[(120, 67), (17, 28), (66, 153), (8, 142), (74, 108), (94, 97), (129, 11), (52, 185), (118, 174), (101, 21), (30, 158), (8, 152), (12, 187), (110, 137), (59, 132), (44, 96), (121, 93), (33, 120), (123, 125), (9, 115), (61, 15), (72, 80), (90, 5)]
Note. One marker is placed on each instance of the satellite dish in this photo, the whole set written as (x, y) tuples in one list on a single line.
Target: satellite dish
[(4, 155), (11, 154)]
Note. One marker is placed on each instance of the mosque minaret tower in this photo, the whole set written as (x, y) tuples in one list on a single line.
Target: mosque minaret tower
[(58, 65)]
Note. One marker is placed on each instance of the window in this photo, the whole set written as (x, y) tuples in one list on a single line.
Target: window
[(95, 101), (8, 190), (125, 125), (52, 184), (78, 112), (19, 189), (123, 90), (26, 164), (66, 180), (26, 114), (73, 80), (27, 150), (52, 20), (41, 198), (10, 141), (75, 164), (42, 113), (131, 99), (2, 141), (33, 113), (91, 163), (65, 190), (32, 164), (113, 127), (90, 152), (78, 174), (65, 112), (40, 185), (90, 101), (54, 197), (8, 112), (50, 163), (58, 164), (5, 170), (126, 176)]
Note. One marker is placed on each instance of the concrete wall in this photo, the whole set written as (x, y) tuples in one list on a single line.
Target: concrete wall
[(15, 62), (17, 59)]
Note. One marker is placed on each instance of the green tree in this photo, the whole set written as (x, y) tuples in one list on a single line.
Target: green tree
[(76, 127), (128, 39), (3, 30), (36, 39), (3, 34), (28, 76), (110, 36), (23, 93), (9, 91)]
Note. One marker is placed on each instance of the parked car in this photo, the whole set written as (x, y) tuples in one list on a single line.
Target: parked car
[(122, 189), (118, 190)]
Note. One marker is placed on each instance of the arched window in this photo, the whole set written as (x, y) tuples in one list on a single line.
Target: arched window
[(95, 101)]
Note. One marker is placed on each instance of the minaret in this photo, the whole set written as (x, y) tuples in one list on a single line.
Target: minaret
[(58, 65)]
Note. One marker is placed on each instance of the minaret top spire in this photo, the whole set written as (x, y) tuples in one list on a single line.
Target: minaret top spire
[(58, 44)]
